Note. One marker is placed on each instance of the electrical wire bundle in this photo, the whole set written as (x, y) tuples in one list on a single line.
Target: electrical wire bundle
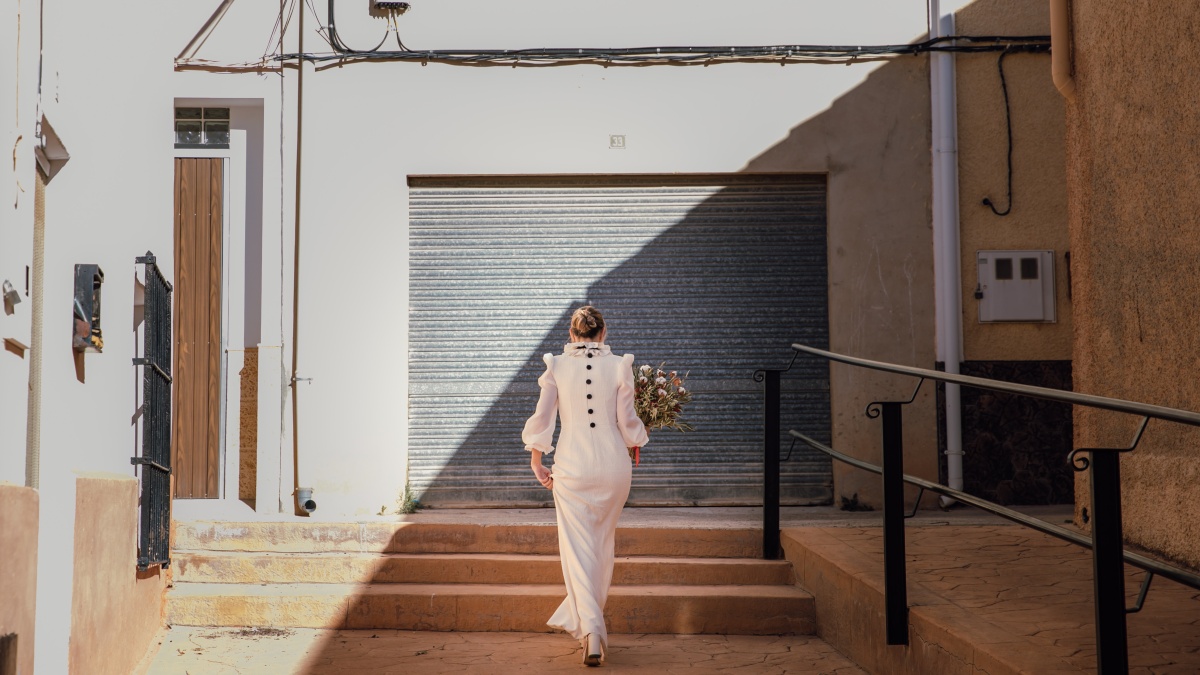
[(679, 56), (647, 56)]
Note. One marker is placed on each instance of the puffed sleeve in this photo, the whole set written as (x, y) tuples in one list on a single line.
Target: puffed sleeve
[(539, 429), (632, 429)]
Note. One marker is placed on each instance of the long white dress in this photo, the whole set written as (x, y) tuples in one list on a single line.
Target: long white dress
[(592, 392)]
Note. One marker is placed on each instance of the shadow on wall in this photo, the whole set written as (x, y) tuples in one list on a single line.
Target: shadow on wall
[(768, 274), (872, 146)]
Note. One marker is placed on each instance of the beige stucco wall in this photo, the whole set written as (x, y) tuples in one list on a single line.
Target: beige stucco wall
[(115, 610), (18, 568), (1038, 220), (1133, 139), (873, 142)]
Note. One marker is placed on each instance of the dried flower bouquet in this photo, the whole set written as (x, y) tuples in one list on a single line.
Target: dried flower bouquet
[(659, 397)]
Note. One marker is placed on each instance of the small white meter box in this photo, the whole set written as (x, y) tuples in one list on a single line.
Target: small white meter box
[(1015, 286)]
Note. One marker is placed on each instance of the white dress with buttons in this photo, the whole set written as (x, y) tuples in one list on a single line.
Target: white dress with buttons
[(591, 392)]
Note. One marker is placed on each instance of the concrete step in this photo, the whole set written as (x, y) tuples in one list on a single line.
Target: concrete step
[(732, 610), (417, 537), (461, 568)]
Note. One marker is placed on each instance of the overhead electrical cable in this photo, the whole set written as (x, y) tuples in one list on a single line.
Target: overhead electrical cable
[(668, 55), (678, 55)]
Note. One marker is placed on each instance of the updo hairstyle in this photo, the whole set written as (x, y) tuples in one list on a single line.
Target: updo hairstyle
[(587, 322)]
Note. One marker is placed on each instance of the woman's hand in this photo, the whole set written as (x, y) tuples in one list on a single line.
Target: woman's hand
[(540, 472)]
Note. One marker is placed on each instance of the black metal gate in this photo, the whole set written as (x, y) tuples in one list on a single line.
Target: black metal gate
[(155, 546)]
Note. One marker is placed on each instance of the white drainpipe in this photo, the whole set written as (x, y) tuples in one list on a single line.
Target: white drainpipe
[(947, 256)]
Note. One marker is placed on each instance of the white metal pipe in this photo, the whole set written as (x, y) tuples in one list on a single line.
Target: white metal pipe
[(947, 256)]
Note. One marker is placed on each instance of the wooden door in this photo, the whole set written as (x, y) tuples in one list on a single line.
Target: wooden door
[(195, 438)]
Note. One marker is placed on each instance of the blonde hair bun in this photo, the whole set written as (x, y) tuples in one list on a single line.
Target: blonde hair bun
[(587, 322)]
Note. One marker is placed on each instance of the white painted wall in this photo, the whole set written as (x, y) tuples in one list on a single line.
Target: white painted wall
[(18, 90), (366, 128), (369, 126), (111, 203), (110, 101)]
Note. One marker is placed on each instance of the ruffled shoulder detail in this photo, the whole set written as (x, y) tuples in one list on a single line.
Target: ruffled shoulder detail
[(586, 349), (548, 358), (627, 359)]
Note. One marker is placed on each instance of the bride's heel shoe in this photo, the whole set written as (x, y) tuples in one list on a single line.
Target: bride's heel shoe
[(591, 650)]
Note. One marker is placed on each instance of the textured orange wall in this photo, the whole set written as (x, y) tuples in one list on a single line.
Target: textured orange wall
[(1133, 150), (1038, 219), (18, 568), (115, 610)]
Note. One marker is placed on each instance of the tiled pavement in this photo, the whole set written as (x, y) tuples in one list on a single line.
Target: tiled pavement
[(1038, 590), (230, 651), (1001, 593)]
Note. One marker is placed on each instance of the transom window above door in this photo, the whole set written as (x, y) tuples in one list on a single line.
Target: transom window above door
[(201, 127)]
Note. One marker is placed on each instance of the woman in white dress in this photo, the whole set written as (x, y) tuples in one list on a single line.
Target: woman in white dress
[(591, 391)]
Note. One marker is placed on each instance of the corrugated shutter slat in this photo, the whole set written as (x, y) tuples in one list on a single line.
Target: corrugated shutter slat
[(714, 275)]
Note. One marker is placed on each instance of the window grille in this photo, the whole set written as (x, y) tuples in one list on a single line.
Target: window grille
[(202, 127)]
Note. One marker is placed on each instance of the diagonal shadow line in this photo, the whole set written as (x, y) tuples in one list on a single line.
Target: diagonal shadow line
[(860, 144)]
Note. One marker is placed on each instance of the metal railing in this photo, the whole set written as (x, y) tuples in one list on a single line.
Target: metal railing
[(1106, 542), (155, 525)]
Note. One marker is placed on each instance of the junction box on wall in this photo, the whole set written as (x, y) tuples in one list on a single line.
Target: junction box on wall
[(1015, 286), (389, 6)]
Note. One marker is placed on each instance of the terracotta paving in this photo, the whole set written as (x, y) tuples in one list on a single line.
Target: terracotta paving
[(231, 651), (1040, 588)]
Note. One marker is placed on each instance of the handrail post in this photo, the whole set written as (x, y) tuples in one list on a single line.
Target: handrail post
[(771, 431), (1108, 563), (894, 574)]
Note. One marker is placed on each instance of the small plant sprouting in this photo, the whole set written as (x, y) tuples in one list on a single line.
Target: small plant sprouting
[(408, 503), (382, 510), (852, 504)]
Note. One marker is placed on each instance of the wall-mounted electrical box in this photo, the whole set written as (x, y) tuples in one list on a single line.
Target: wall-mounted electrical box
[(1015, 286), (389, 6), (86, 335)]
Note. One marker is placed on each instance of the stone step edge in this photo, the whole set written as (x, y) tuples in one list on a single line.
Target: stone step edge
[(515, 557), (416, 537), (771, 610), (458, 568), (208, 590)]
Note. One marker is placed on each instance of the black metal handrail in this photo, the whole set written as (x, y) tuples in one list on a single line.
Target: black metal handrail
[(1106, 542), (1078, 538), (1090, 400)]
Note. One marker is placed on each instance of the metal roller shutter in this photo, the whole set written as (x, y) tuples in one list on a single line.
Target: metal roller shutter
[(715, 275)]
